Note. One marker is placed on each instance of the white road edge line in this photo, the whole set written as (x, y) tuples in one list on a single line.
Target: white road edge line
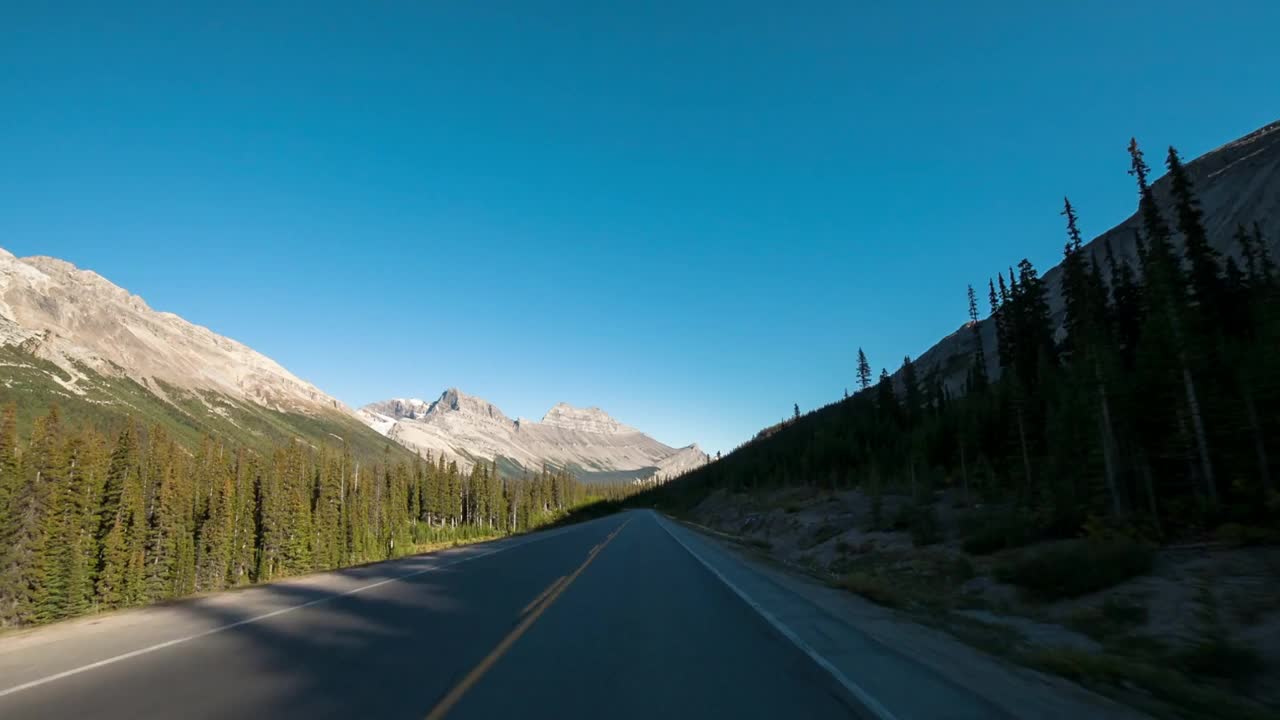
[(196, 636), (870, 703)]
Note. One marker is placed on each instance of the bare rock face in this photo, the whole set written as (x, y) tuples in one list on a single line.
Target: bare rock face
[(592, 420), (1238, 184), (75, 317), (467, 429)]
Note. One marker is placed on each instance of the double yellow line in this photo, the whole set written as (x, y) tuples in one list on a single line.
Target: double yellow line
[(530, 615)]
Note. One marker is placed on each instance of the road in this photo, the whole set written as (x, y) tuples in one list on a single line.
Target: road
[(609, 618)]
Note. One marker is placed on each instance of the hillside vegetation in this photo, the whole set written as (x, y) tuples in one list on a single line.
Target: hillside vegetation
[(31, 384), (91, 521), (1152, 412), (1103, 506)]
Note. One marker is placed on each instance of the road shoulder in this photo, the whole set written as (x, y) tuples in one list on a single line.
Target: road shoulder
[(910, 670)]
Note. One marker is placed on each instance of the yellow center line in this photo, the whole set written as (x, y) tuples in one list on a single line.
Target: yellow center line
[(534, 603), (551, 594)]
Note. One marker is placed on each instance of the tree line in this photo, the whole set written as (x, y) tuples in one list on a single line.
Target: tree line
[(90, 522), (1152, 405)]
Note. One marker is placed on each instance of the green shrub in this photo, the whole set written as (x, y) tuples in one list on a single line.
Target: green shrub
[(1159, 680), (988, 533), (1078, 568), (961, 569), (1115, 618), (925, 528), (1239, 535), (1219, 657), (874, 588), (822, 534), (921, 521), (1124, 612)]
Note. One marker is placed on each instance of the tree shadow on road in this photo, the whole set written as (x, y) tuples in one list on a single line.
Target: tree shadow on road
[(329, 646)]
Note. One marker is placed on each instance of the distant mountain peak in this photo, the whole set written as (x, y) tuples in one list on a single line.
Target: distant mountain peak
[(454, 400), (469, 429), (592, 420)]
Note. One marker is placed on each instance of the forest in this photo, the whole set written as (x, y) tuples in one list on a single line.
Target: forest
[(92, 521), (1151, 409)]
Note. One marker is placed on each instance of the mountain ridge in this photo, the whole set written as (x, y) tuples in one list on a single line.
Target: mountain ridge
[(588, 441), (71, 337), (1235, 184)]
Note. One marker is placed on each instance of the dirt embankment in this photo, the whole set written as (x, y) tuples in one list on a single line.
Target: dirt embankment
[(1176, 629)]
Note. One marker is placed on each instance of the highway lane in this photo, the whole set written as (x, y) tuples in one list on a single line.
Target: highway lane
[(610, 618)]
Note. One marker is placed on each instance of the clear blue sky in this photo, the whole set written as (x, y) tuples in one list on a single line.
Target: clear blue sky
[(688, 213)]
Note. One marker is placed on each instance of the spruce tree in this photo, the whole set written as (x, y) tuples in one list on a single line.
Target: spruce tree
[(1075, 293), (864, 371), (40, 588), (1205, 271), (166, 546), (10, 479), (1004, 343), (327, 513), (122, 525), (1126, 299), (244, 523), (294, 528), (912, 398), (73, 542), (1166, 299), (217, 529), (886, 399), (978, 376), (1089, 340)]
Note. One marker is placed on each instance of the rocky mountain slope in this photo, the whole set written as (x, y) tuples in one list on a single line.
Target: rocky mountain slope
[(76, 318), (71, 337), (585, 440), (1238, 184)]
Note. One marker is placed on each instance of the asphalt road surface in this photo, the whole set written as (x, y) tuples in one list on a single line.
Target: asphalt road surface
[(609, 618)]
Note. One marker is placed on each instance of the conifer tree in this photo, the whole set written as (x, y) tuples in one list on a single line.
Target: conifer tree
[(978, 377), (327, 513), (1004, 330), (1205, 271), (1088, 338), (1166, 295), (166, 526), (864, 371), (1126, 299), (295, 531), (912, 398), (122, 525), (48, 591), (244, 521), (217, 530), (1075, 293), (72, 544), (886, 400), (1266, 266), (10, 480)]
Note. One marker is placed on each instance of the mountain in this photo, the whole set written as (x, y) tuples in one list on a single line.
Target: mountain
[(1238, 184), (586, 441), (71, 337)]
